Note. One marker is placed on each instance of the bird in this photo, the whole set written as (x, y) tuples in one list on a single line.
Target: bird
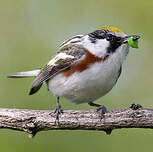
[(85, 68)]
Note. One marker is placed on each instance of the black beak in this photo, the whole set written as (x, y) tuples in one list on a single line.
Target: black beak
[(135, 37)]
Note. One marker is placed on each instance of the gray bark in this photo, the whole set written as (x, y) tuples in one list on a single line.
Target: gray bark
[(33, 121)]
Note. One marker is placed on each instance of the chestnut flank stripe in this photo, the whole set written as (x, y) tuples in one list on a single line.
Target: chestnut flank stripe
[(83, 64)]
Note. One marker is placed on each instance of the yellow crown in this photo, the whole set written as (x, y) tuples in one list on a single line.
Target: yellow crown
[(113, 29)]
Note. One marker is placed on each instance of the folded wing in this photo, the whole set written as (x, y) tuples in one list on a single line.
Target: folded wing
[(66, 57)]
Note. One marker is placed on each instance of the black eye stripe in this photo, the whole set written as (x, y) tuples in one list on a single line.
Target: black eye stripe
[(114, 44), (104, 34), (115, 41), (98, 34)]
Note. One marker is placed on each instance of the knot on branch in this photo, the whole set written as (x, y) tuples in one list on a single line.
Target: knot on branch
[(30, 126)]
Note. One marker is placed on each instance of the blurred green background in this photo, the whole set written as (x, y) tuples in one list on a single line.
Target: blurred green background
[(30, 33)]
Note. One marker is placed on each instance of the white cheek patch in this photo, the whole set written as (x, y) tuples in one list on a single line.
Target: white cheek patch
[(60, 56), (99, 48)]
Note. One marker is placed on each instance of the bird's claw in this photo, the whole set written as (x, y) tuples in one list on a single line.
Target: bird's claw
[(102, 110), (135, 106), (58, 111)]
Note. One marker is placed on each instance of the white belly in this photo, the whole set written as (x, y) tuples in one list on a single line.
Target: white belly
[(88, 85), (93, 82)]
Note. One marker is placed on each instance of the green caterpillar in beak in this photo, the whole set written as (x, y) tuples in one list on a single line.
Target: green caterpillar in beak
[(133, 41)]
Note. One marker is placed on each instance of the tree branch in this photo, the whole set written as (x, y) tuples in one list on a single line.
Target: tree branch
[(32, 121)]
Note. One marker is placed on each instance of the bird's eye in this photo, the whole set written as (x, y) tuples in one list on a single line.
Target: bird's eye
[(118, 38), (109, 37)]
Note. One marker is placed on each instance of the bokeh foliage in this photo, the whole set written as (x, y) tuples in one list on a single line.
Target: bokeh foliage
[(30, 33)]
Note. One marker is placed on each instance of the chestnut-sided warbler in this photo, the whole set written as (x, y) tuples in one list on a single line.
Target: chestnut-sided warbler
[(85, 68)]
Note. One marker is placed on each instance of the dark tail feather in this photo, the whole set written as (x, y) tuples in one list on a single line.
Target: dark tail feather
[(34, 89)]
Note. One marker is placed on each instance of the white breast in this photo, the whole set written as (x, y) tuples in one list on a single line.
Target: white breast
[(93, 82)]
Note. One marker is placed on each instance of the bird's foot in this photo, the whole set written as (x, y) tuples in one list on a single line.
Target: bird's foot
[(134, 106), (58, 111), (102, 110)]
